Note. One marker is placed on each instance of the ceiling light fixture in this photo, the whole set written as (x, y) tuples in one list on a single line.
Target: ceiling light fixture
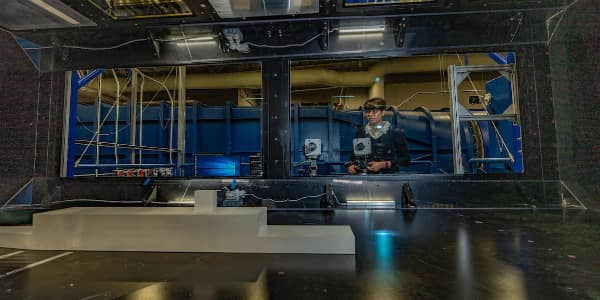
[(360, 35), (47, 7), (365, 29), (200, 40)]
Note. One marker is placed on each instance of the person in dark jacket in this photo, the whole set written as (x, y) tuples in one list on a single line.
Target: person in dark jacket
[(389, 150)]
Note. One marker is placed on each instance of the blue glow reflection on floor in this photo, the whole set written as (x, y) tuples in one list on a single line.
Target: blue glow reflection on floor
[(384, 243)]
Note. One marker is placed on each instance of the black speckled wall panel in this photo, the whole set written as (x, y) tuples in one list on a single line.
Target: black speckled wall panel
[(31, 108), (537, 113), (575, 59)]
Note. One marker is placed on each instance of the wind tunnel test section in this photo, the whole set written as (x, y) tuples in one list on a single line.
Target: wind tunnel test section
[(453, 123), (458, 114), (129, 122)]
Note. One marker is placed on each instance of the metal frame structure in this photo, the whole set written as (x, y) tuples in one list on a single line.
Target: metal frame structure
[(74, 83), (276, 89), (460, 114), (332, 148), (465, 26), (181, 119), (72, 86)]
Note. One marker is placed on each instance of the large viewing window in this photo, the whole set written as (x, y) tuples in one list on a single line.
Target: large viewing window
[(446, 114), (127, 121), (328, 115)]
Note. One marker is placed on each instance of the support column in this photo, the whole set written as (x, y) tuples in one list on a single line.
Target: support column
[(378, 88), (181, 120), (133, 114), (275, 121), (71, 91)]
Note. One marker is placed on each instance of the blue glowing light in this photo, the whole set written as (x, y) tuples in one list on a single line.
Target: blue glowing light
[(383, 232)]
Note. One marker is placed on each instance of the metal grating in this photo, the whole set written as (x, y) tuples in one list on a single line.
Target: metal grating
[(263, 8), (142, 9)]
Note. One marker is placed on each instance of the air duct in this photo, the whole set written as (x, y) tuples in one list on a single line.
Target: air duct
[(305, 78)]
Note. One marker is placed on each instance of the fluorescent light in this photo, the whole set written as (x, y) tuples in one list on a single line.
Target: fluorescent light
[(182, 202), (201, 38), (370, 203), (196, 43), (47, 7), (363, 29), (347, 181), (360, 35)]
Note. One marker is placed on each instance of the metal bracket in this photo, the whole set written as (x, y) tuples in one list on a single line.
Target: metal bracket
[(155, 44), (505, 74), (329, 197), (399, 33), (460, 77), (324, 42), (459, 114), (462, 111), (152, 196)]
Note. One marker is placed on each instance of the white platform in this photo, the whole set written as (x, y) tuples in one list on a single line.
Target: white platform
[(203, 228)]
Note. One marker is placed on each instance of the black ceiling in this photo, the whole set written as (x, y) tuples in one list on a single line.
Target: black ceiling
[(443, 24), (204, 14)]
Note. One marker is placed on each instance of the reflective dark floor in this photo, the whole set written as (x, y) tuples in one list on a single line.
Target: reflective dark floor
[(425, 254)]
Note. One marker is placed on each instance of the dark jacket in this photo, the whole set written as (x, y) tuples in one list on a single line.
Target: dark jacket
[(391, 146)]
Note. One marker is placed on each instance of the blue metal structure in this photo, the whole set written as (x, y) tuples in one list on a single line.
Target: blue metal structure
[(510, 131), (428, 135), (500, 89), (76, 84), (217, 138), (221, 139)]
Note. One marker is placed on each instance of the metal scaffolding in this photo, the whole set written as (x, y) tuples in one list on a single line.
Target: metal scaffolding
[(135, 84), (460, 114)]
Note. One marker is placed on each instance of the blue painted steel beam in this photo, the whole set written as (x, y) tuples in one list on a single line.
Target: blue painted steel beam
[(498, 58), (510, 58), (194, 127), (88, 77), (76, 84)]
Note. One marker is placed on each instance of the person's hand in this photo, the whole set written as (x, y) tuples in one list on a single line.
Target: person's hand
[(375, 166), (353, 169)]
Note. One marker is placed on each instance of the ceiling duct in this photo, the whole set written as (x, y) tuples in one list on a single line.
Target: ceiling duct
[(142, 9), (20, 15), (312, 77), (263, 8)]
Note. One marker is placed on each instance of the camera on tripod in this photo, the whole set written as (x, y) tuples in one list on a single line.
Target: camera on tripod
[(312, 151), (362, 149)]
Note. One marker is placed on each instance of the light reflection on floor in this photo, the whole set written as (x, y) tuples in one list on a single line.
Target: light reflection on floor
[(419, 255)]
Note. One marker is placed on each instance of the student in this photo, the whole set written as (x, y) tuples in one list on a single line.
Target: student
[(389, 150)]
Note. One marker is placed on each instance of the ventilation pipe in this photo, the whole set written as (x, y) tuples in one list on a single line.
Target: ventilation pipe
[(315, 77)]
